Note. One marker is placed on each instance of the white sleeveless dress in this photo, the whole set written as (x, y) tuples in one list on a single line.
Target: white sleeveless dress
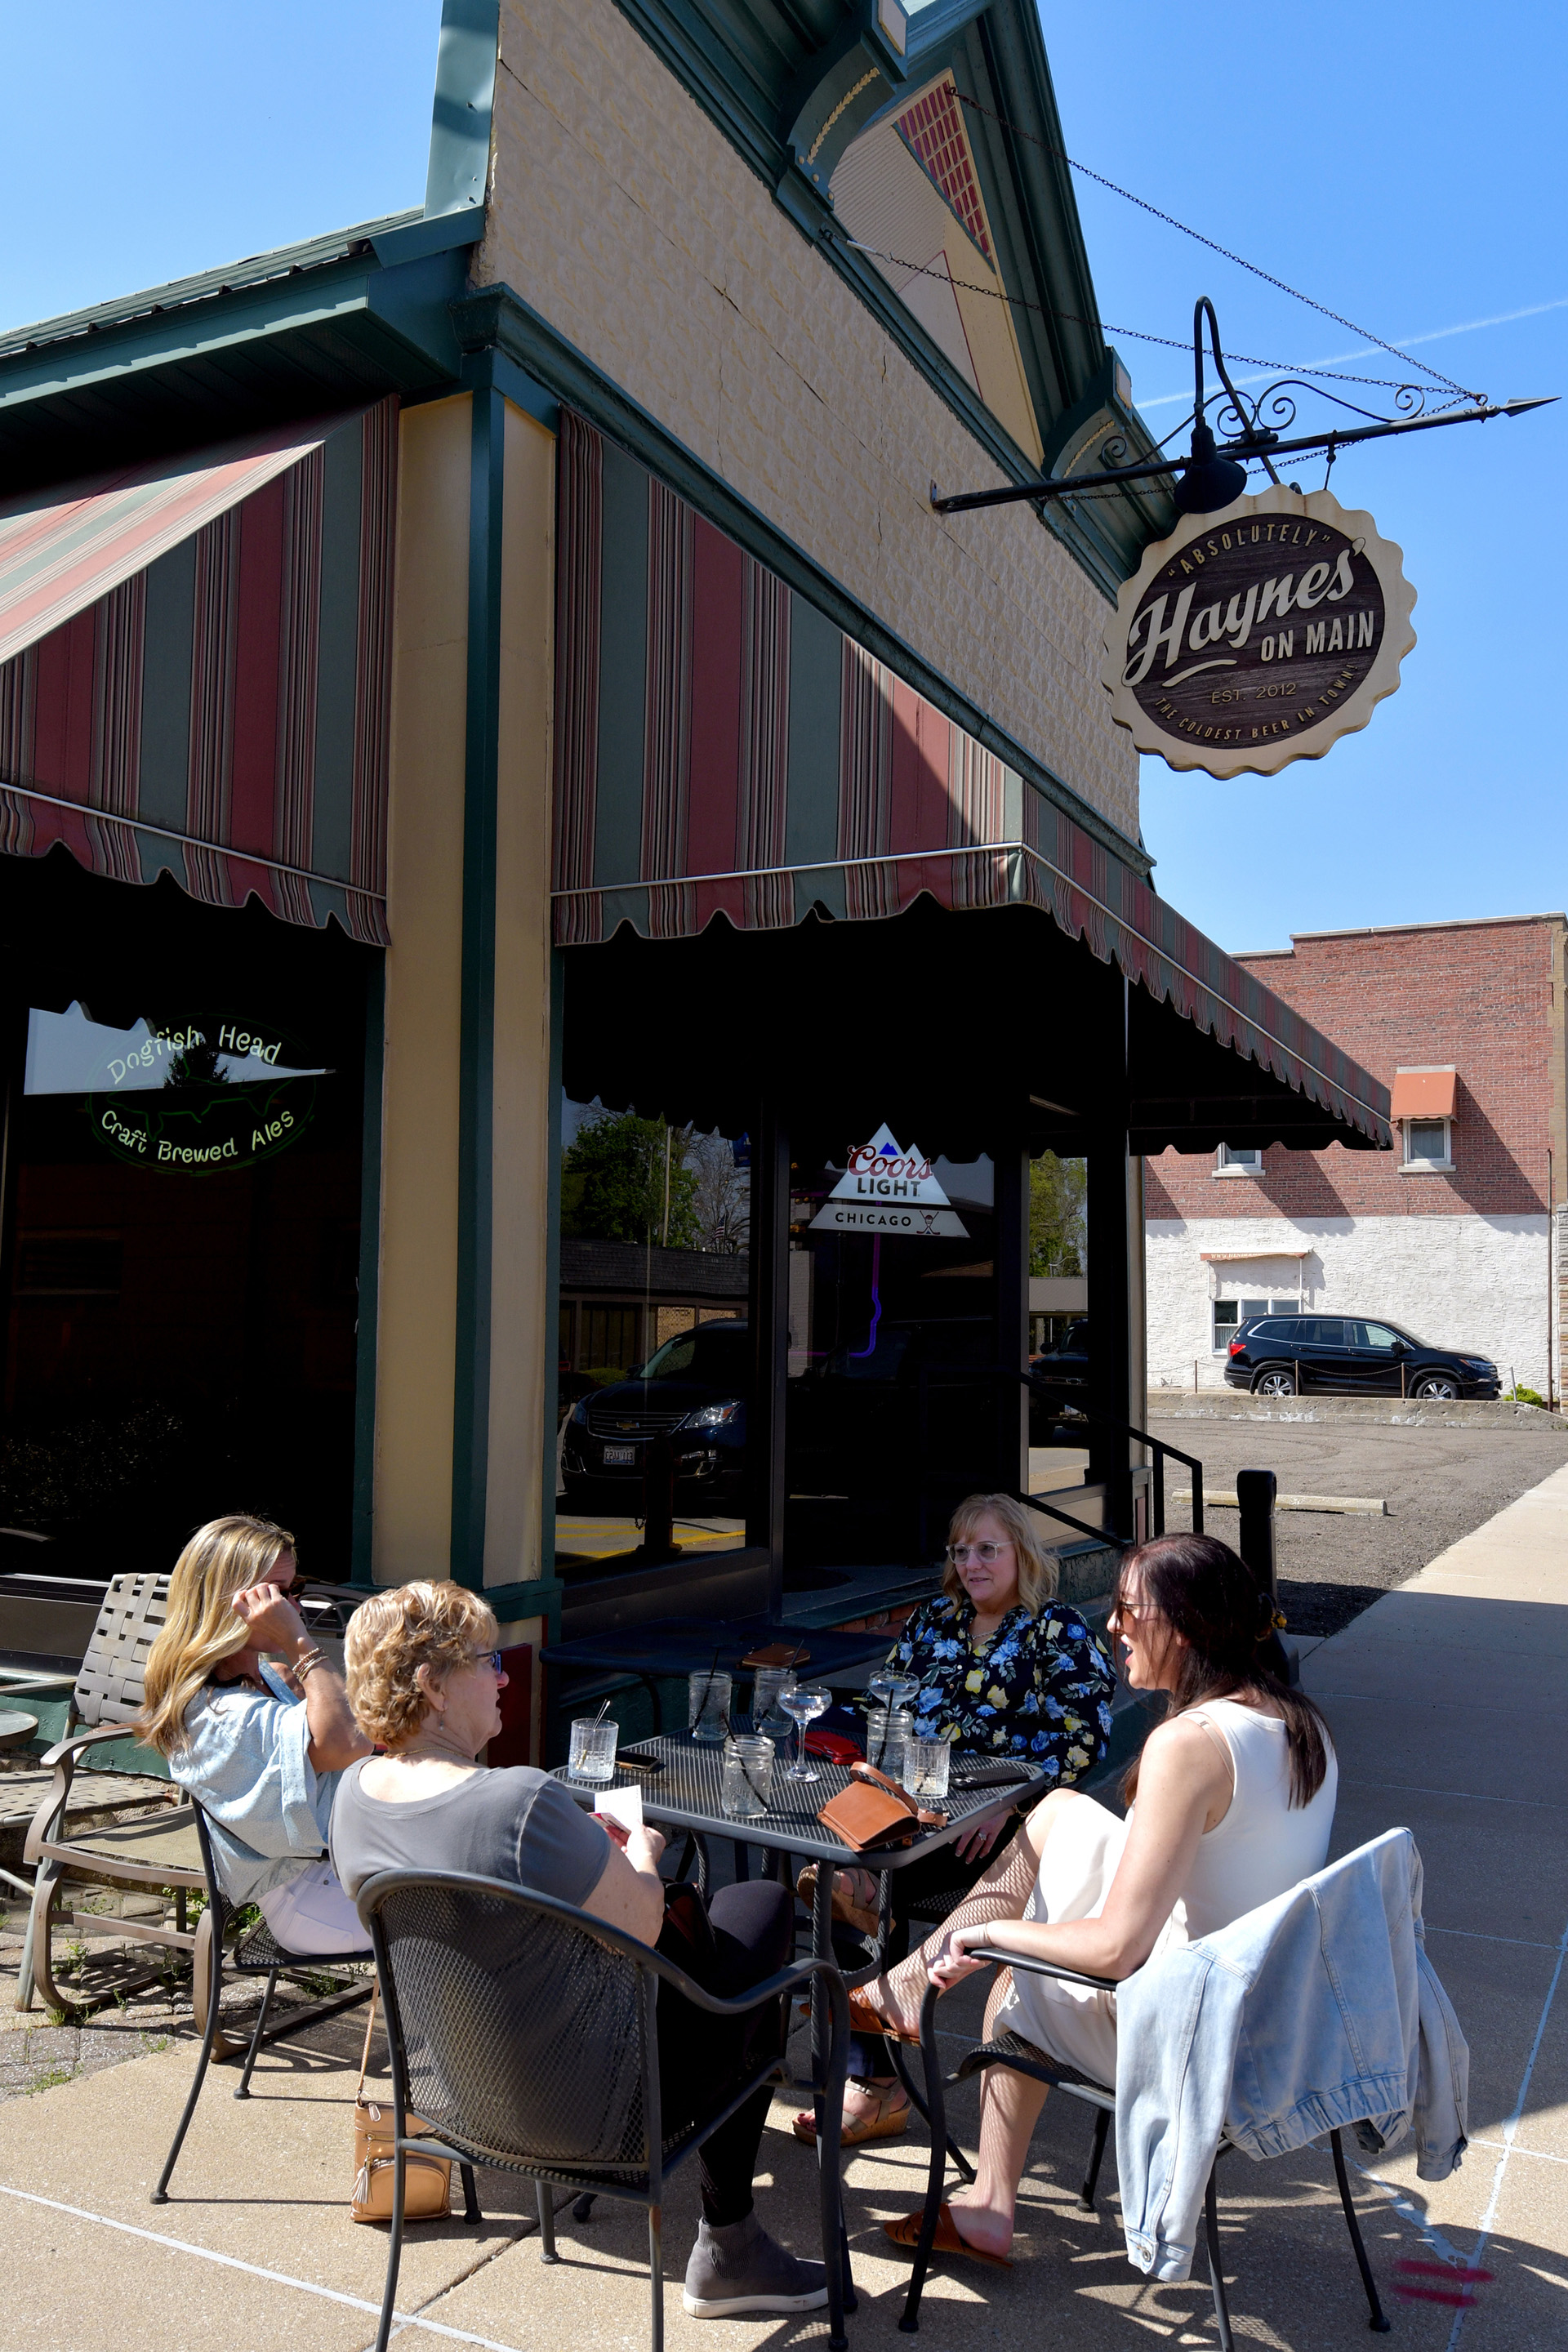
[(1261, 1848)]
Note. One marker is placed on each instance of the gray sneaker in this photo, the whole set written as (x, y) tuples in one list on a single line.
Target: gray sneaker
[(738, 2268)]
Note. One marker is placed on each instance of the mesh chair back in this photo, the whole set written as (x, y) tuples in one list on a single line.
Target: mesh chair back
[(109, 1687), (523, 2033)]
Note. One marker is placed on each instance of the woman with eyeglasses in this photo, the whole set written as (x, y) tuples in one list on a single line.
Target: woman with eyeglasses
[(255, 1722), (424, 1679), (1230, 1804), (1002, 1670)]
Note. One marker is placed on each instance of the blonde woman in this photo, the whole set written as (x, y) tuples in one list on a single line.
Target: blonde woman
[(425, 1678), (1002, 1669), (255, 1723)]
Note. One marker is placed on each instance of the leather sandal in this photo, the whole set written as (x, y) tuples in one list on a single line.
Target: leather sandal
[(887, 2123), (845, 1908), (905, 2232), (864, 2019)]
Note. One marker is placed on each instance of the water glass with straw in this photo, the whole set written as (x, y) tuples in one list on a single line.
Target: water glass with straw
[(747, 1787), (708, 1706), (593, 1750)]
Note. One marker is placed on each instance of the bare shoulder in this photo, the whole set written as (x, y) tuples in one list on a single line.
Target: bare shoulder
[(1186, 1751)]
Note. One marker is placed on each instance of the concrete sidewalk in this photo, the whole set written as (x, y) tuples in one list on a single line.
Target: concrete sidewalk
[(1445, 1702)]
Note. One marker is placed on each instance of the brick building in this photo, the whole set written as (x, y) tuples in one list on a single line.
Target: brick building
[(1451, 1233)]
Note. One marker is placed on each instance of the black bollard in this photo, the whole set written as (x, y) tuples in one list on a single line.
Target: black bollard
[(1255, 1493)]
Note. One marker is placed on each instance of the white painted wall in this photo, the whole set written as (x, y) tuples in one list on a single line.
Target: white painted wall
[(1472, 1281)]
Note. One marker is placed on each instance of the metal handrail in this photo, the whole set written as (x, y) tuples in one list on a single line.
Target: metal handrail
[(1157, 1446)]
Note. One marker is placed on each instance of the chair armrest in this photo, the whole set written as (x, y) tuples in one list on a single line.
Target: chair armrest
[(1026, 1963), (52, 1805), (783, 1980)]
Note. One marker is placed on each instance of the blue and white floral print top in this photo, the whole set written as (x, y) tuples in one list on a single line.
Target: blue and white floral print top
[(1040, 1688)]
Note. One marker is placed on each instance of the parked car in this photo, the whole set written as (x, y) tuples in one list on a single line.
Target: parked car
[(693, 1389), (1284, 1355)]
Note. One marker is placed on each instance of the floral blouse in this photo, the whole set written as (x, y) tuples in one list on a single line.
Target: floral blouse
[(1040, 1688)]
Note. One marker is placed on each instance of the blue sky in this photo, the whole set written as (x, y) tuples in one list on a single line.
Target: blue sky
[(1403, 164)]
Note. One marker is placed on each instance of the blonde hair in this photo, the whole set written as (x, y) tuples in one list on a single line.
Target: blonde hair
[(395, 1632), (201, 1628), (1039, 1574)]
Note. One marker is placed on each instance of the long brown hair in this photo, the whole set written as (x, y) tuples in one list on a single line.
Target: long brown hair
[(201, 1628), (1200, 1591)]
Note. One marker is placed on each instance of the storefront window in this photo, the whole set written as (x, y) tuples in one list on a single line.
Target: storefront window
[(181, 1254), (656, 1368)]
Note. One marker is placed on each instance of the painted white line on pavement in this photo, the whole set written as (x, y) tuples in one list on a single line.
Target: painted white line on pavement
[(1509, 2129), (1470, 1796), (1479, 1936), (275, 2278), (1540, 2155)]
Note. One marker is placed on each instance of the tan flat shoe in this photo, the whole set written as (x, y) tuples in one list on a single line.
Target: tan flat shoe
[(887, 2123), (854, 1914), (906, 2232), (864, 2019)]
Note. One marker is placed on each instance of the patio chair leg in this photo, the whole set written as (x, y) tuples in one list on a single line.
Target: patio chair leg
[(393, 2247), (545, 2204), (35, 1973), (655, 2273), (209, 2035), (1216, 2278), (1376, 2322), (917, 2100), (470, 2196), (243, 2088), (584, 2207), (1086, 2194), (936, 2109)]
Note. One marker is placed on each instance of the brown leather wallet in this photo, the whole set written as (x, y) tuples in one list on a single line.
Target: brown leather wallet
[(777, 1653), (875, 1811)]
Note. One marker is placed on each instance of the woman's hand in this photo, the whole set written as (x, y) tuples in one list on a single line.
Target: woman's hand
[(956, 1963), (643, 1847), (274, 1624), (981, 1835)]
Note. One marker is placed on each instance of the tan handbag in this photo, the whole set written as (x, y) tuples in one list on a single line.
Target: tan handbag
[(873, 1811), (427, 2179)]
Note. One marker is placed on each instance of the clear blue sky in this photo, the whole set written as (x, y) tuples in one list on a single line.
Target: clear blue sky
[(1403, 163)]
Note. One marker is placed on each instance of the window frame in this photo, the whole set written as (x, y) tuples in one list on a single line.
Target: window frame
[(1230, 1161), (1411, 1165)]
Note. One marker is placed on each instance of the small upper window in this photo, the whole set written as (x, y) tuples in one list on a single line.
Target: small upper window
[(1234, 1162), (1427, 1143)]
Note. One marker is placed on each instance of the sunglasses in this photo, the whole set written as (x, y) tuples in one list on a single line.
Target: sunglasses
[(987, 1554)]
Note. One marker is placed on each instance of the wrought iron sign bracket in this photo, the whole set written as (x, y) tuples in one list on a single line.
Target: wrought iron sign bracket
[(1212, 475)]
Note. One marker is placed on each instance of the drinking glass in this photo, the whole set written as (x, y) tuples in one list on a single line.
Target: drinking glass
[(889, 1688), (926, 1763), (888, 1729), (766, 1713), (748, 1776), (708, 1708), (802, 1705), (593, 1756)]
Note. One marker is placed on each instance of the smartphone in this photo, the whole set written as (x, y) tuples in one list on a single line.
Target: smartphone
[(640, 1760)]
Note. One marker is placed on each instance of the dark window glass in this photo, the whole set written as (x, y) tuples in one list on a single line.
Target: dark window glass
[(1321, 1332)]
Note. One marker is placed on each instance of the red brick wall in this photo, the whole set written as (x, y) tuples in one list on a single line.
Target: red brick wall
[(1483, 996)]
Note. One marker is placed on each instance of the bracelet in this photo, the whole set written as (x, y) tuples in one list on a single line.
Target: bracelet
[(302, 1664)]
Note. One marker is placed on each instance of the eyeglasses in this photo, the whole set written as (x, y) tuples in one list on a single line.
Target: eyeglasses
[(486, 1657), (987, 1554)]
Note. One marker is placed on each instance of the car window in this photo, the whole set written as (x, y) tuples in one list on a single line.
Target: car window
[(1321, 1332), (1374, 1335), (717, 1353), (1279, 1327)]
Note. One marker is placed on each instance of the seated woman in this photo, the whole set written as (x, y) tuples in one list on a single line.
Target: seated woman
[(1004, 1670), (1235, 1794), (425, 1678), (256, 1724)]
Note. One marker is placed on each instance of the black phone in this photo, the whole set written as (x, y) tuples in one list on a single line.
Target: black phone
[(991, 1776), (640, 1760)]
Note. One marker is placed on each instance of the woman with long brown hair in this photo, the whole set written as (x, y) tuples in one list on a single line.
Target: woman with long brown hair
[(1234, 1804), (256, 1724)]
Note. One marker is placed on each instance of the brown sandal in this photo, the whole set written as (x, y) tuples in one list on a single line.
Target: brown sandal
[(845, 1908), (887, 2123), (905, 2232), (864, 2019)]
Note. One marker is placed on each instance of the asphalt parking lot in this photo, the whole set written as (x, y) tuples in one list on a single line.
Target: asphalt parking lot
[(1438, 1484)]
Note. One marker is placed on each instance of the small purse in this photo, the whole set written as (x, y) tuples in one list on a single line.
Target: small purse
[(427, 2179), (873, 1811)]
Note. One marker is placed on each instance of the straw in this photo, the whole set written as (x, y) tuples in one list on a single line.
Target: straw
[(603, 1713)]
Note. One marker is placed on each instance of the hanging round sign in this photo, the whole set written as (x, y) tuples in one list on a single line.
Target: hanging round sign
[(1259, 634)]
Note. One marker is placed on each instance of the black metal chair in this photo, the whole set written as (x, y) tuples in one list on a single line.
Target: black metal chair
[(1011, 2050), (258, 1954), (469, 1967)]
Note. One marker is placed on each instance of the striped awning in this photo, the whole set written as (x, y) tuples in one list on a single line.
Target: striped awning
[(722, 749), (194, 670)]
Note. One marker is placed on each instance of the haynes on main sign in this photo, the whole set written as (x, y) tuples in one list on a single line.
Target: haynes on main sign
[(886, 1191)]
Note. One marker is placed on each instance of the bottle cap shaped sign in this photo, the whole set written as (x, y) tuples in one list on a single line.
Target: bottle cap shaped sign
[(1259, 634)]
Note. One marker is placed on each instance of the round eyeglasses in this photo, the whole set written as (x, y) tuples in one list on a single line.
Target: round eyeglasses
[(491, 1658), (987, 1554)]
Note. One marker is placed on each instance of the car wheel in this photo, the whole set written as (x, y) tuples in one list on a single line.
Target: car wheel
[(1437, 1388), (1274, 1382)]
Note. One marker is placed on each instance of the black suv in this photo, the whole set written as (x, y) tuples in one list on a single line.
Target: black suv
[(1284, 1355), (692, 1391)]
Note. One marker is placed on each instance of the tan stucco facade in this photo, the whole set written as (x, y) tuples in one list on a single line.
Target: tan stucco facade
[(621, 214)]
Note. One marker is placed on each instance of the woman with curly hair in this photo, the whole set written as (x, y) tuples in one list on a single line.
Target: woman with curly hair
[(256, 1724), (425, 1678)]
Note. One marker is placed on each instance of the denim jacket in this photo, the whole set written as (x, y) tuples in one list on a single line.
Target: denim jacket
[(1316, 2009), (246, 1757)]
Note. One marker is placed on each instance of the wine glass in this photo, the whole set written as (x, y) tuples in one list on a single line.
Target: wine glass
[(803, 1705), (890, 1688)]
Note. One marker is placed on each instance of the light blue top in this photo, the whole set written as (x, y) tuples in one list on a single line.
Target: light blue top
[(246, 1757)]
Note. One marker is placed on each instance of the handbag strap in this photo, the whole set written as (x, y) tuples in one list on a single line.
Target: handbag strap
[(891, 1787), (369, 2029)]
